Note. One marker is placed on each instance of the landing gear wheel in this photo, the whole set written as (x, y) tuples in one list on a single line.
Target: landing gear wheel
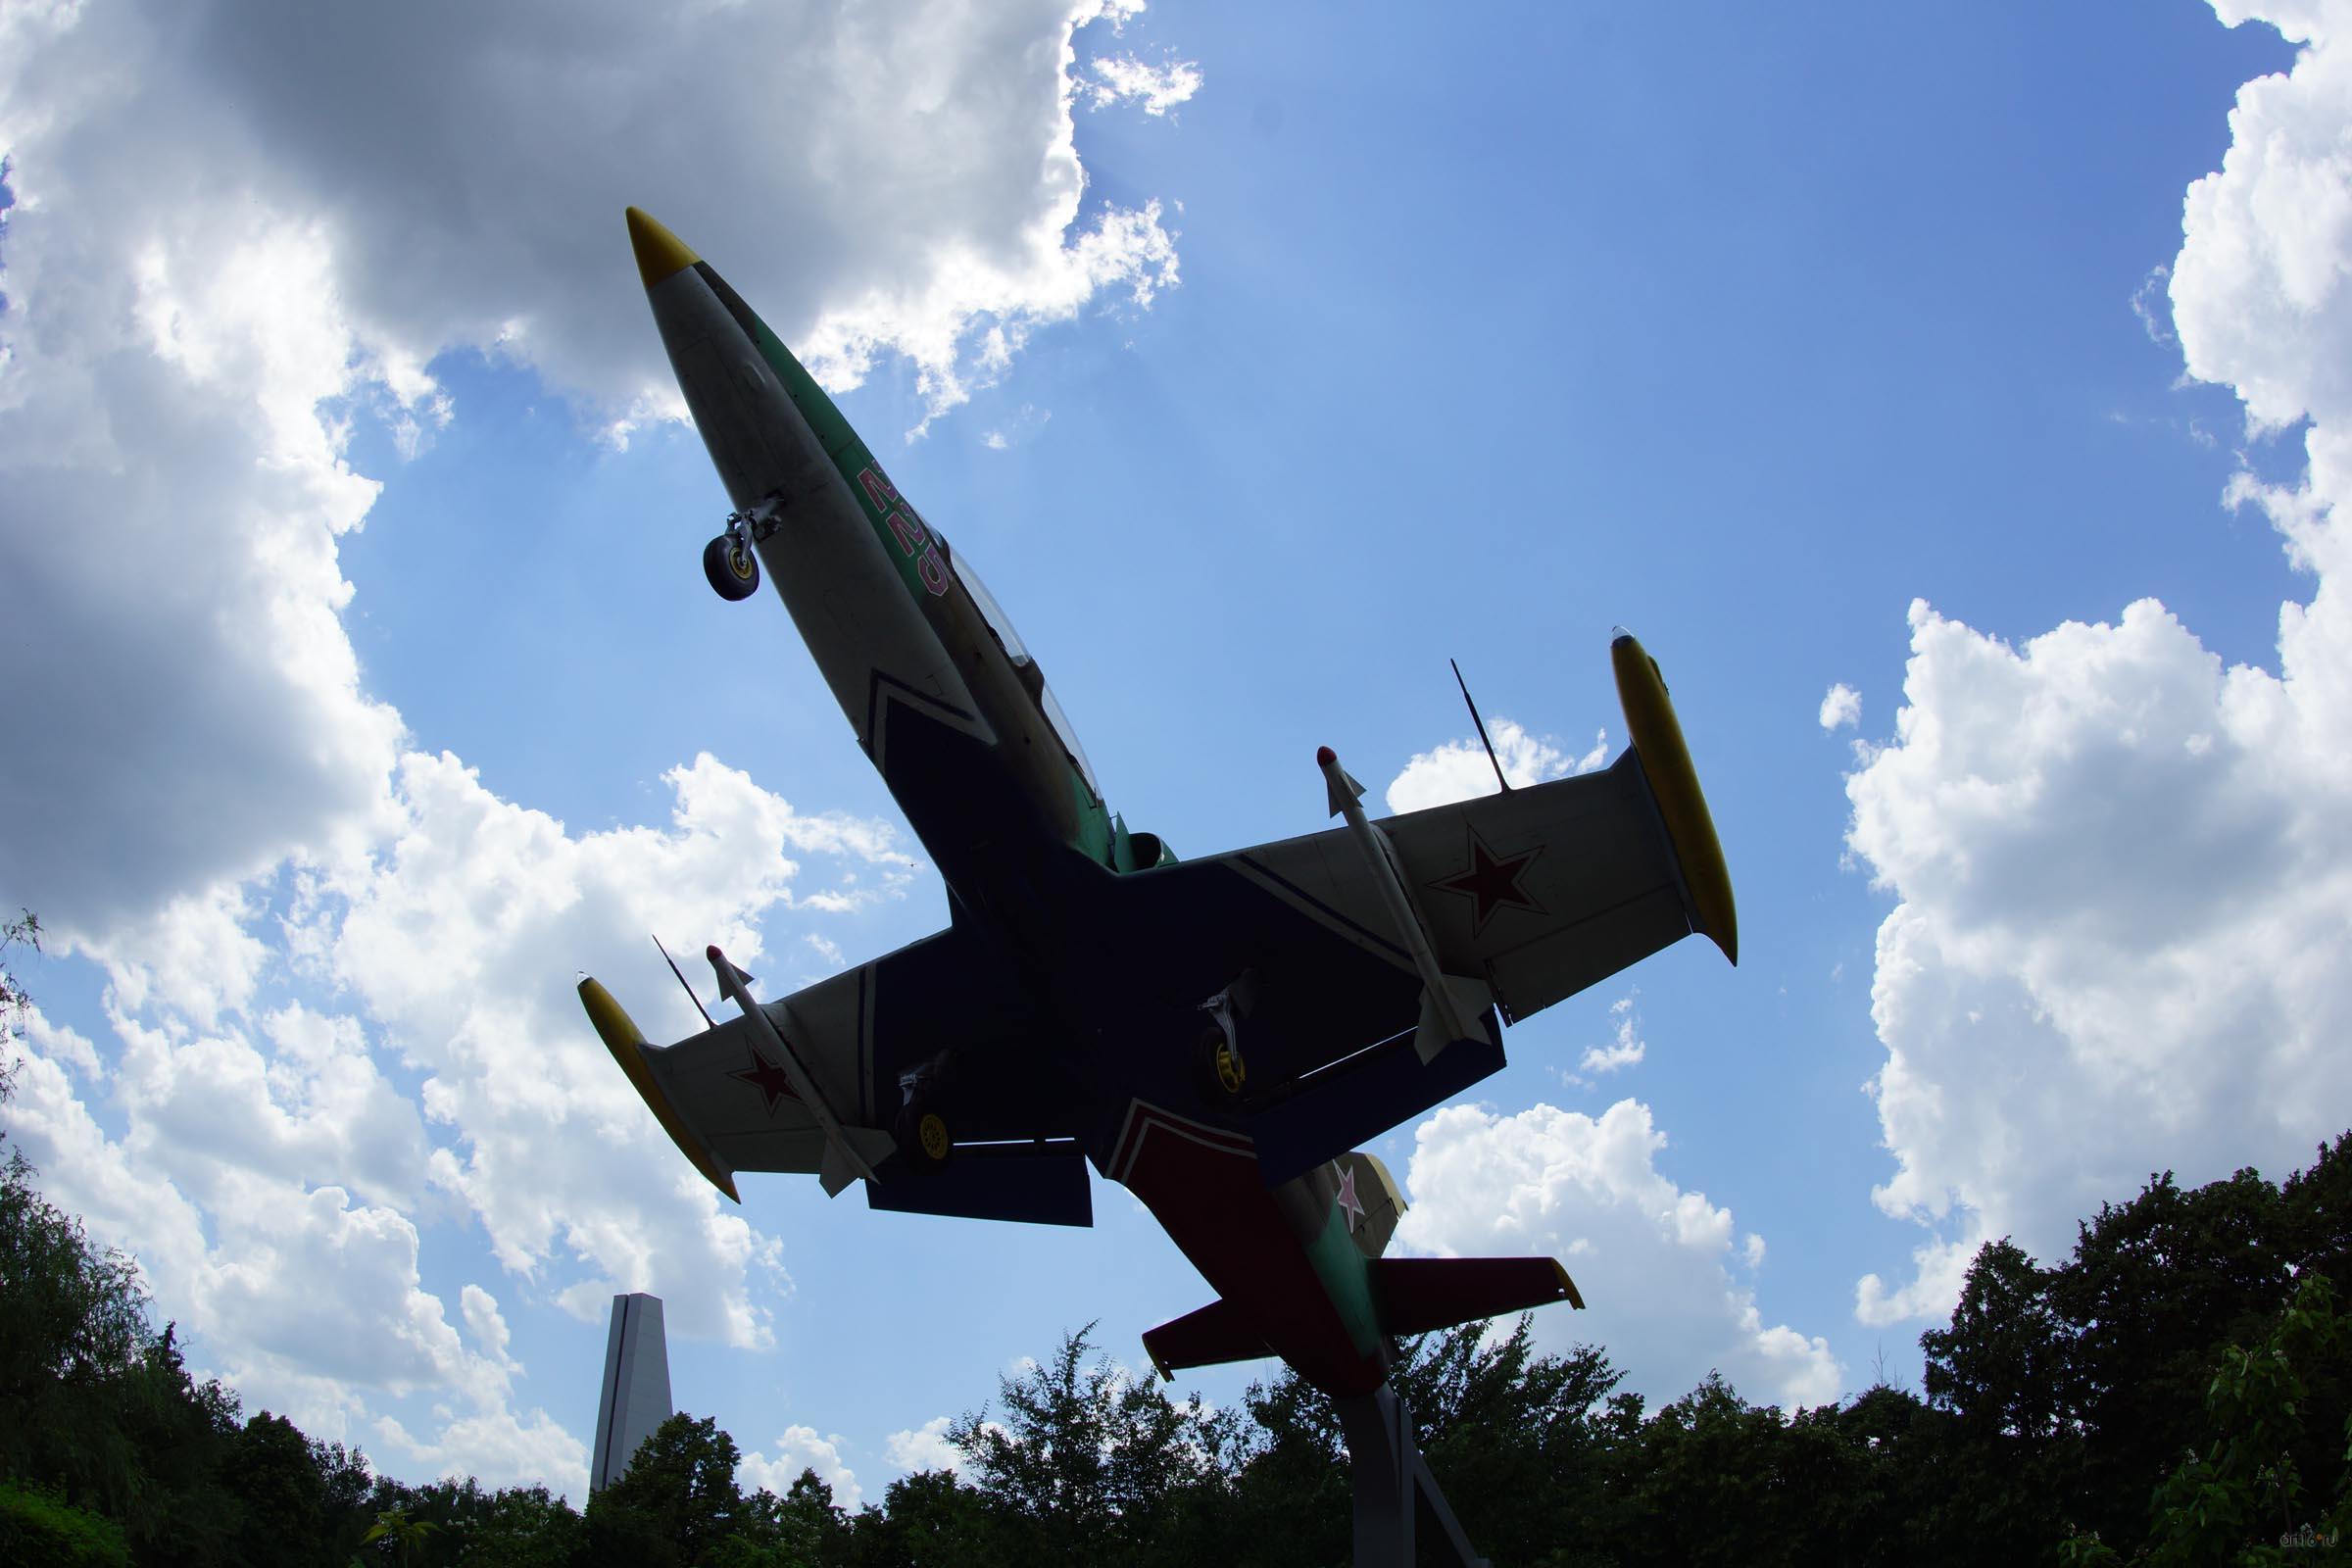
[(922, 1136), (733, 571), (1218, 1061)]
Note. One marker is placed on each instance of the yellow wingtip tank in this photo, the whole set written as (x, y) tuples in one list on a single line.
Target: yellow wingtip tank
[(1568, 1286), (660, 253), (1658, 736), (626, 1041)]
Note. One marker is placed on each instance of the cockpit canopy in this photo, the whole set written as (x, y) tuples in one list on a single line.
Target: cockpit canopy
[(1024, 666)]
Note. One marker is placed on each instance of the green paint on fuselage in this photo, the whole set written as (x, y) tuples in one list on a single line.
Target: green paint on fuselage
[(1096, 837), (852, 458), (1346, 1276), (850, 453)]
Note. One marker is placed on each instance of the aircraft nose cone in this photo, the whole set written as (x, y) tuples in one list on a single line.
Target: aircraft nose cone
[(660, 253)]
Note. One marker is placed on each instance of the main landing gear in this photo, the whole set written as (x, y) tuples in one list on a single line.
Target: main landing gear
[(922, 1135), (1217, 1065), (920, 1131)]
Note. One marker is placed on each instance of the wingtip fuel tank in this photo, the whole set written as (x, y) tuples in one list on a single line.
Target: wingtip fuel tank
[(627, 1043), (1657, 737)]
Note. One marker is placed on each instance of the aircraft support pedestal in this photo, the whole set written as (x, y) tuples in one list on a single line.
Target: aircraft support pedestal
[(1396, 1498)]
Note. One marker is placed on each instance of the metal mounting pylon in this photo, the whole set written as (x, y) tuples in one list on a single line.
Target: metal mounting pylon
[(1396, 1499)]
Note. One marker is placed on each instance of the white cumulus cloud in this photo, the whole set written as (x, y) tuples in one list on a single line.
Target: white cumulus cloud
[(2122, 867), (800, 1448), (1155, 90), (1665, 1288), (1626, 1048), (925, 1447), (1842, 706), (1459, 769)]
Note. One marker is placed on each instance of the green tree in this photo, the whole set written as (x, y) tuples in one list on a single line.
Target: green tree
[(929, 1519), (37, 1526), (1511, 1435), (2155, 1289), (2316, 1215), (678, 1504), (73, 1322), (1291, 1493), (2244, 1496), (1513, 1438), (92, 1401), (522, 1527), (1701, 1483), (1091, 1465), (400, 1536), (345, 1484), (274, 1474), (23, 931), (2005, 1364)]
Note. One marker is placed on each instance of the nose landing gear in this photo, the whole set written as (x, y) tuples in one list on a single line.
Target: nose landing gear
[(729, 563)]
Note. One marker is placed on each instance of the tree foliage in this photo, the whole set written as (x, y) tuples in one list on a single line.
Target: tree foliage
[(23, 931), (1091, 1464)]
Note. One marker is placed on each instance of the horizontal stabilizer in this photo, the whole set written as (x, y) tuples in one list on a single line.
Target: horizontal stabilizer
[(1376, 1191), (1422, 1295), (1212, 1335), (1012, 1182)]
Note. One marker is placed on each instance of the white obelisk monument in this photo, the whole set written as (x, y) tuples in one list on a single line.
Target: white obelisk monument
[(636, 1395)]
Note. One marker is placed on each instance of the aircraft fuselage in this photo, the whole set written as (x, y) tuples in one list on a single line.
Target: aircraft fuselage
[(955, 718)]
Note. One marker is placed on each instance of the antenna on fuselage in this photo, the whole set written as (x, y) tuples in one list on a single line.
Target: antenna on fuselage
[(1482, 727), (681, 974)]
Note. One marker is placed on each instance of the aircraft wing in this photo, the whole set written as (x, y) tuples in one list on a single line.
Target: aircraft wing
[(934, 1021), (1539, 891), (1523, 898)]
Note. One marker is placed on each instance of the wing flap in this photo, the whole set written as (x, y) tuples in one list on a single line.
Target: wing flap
[(995, 1181), (1536, 974)]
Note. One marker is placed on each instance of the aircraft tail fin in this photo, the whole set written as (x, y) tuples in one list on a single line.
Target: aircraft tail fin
[(1421, 1295), (1215, 1334), (1377, 1195)]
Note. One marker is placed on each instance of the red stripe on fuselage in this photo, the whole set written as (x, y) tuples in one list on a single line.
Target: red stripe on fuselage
[(1201, 1183)]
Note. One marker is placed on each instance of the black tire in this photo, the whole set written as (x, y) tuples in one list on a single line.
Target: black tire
[(1217, 1063), (733, 569), (922, 1136)]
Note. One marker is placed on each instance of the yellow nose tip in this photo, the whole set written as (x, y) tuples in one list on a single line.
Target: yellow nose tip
[(660, 253)]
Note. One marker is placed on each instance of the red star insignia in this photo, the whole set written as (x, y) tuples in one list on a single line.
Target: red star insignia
[(1493, 881), (769, 1078), (1349, 1203)]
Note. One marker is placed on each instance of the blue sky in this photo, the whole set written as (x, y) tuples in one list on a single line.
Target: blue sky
[(1380, 343)]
